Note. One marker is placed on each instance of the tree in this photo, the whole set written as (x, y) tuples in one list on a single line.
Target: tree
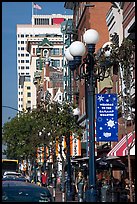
[(21, 134)]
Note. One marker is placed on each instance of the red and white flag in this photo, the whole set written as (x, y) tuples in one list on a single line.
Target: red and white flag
[(36, 6)]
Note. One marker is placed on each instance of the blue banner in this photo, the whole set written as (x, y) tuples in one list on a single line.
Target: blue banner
[(106, 117)]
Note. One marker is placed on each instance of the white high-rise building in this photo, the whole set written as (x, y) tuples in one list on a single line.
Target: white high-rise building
[(42, 26)]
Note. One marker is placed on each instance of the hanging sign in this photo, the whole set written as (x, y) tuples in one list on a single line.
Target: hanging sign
[(106, 117)]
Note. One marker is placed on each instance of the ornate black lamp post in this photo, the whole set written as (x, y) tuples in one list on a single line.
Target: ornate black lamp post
[(69, 168), (88, 71)]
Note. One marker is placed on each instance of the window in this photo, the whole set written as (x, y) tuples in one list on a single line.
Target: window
[(34, 51), (56, 63), (55, 51), (18, 61), (18, 48), (22, 36), (27, 61), (29, 102), (27, 55), (27, 35), (28, 94), (44, 52), (18, 35), (22, 48), (18, 55), (21, 99), (19, 67), (22, 73), (62, 51), (46, 21), (22, 61), (27, 78), (21, 93), (27, 73), (18, 42), (28, 87), (22, 42), (27, 67), (22, 55), (22, 67)]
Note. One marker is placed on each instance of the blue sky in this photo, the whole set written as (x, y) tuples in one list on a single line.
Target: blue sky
[(14, 13)]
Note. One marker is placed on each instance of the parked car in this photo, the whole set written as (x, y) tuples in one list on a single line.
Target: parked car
[(18, 191), (11, 173), (14, 178)]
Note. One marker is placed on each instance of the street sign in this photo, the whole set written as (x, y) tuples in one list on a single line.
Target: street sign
[(106, 117)]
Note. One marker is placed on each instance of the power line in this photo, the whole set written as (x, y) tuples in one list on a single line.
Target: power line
[(11, 108)]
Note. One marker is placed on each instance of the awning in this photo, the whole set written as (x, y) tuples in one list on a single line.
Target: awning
[(120, 149)]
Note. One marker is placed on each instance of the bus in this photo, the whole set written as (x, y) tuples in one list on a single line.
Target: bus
[(10, 165)]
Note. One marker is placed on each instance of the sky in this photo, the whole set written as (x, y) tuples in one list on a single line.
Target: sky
[(14, 13)]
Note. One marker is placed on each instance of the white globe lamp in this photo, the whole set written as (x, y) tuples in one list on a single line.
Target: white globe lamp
[(91, 36), (70, 59), (68, 56), (107, 52), (77, 49)]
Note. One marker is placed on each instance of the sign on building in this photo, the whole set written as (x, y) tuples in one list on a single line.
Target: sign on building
[(75, 146), (106, 117)]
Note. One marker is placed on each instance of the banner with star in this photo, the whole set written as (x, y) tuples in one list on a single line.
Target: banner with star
[(106, 117)]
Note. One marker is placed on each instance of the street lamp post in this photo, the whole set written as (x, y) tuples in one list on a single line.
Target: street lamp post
[(44, 154), (44, 134), (69, 187), (69, 168), (89, 72)]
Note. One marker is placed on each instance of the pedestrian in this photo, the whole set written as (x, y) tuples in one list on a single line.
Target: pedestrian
[(38, 175), (27, 177), (99, 186), (44, 178), (85, 188), (80, 186)]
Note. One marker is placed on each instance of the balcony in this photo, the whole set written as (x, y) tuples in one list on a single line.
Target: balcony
[(37, 75)]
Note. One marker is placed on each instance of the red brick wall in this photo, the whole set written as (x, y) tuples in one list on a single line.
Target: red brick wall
[(95, 18)]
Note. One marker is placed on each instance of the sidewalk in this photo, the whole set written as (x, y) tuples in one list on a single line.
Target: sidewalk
[(58, 195)]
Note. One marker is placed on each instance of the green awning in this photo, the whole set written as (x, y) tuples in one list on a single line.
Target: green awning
[(45, 42)]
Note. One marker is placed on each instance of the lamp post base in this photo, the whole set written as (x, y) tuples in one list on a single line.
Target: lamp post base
[(68, 196), (91, 195)]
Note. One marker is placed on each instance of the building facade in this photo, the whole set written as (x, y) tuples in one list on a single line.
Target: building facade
[(42, 26), (124, 86)]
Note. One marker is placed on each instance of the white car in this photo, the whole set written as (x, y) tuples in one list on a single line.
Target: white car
[(10, 173)]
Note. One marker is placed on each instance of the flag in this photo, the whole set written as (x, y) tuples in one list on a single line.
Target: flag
[(36, 6)]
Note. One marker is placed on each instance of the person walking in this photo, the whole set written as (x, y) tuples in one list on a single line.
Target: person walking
[(44, 178), (38, 174), (27, 177), (80, 186)]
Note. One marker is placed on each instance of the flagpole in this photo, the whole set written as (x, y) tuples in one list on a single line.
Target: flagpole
[(32, 13)]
